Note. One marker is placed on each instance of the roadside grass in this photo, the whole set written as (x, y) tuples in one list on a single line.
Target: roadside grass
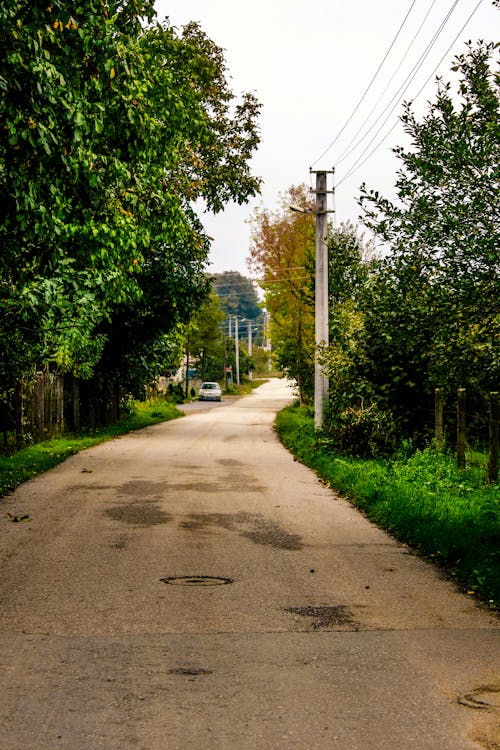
[(244, 388), (35, 459), (422, 499)]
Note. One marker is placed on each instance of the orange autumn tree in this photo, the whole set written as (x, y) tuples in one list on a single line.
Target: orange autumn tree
[(282, 257)]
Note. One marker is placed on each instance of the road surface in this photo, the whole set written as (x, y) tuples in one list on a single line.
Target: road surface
[(192, 587)]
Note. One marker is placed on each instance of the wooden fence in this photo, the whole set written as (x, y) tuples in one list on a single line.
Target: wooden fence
[(47, 404), (461, 429)]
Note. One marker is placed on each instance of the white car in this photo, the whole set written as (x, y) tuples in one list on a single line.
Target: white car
[(210, 392)]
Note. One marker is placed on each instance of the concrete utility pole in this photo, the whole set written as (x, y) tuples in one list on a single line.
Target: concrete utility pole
[(267, 324), (237, 350), (321, 385), (249, 345)]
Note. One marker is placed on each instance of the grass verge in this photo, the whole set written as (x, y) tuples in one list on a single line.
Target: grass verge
[(245, 387), (423, 500), (35, 459)]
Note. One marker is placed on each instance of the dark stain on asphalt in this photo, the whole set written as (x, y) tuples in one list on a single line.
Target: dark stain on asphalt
[(204, 486), (237, 477), (190, 671), (142, 487), (120, 543), (270, 533), (156, 490), (143, 490), (91, 487), (326, 617), (138, 515), (251, 526)]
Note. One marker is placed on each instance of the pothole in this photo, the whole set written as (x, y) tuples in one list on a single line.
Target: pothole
[(326, 616), (196, 581)]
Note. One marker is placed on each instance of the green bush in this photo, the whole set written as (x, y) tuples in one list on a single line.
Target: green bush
[(366, 432)]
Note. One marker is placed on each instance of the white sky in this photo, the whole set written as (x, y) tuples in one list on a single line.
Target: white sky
[(309, 65)]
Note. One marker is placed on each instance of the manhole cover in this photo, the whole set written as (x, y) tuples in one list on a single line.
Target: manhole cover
[(196, 581)]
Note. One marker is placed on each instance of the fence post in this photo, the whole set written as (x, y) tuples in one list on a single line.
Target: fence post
[(49, 404), (461, 428), (19, 413), (60, 402), (111, 406), (75, 403), (494, 418), (39, 396), (438, 411)]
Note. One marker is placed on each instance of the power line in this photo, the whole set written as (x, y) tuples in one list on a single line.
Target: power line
[(257, 328), (327, 149), (357, 166), (345, 153), (253, 279), (406, 83), (360, 161), (265, 282)]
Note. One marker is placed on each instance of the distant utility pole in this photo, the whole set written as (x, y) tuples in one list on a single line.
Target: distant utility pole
[(267, 324), (250, 345), (321, 385), (237, 350)]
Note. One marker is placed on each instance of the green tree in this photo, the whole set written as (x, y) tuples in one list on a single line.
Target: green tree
[(431, 317), (351, 262), (282, 255), (351, 259), (237, 294), (204, 339), (355, 421), (69, 239), (112, 127)]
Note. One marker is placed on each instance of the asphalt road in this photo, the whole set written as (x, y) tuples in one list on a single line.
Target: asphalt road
[(192, 587)]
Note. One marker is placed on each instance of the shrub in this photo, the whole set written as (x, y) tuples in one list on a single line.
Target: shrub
[(367, 432)]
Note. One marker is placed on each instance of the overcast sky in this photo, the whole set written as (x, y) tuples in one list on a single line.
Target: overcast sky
[(310, 64)]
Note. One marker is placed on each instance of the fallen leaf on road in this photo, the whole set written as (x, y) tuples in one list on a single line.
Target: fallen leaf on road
[(17, 519)]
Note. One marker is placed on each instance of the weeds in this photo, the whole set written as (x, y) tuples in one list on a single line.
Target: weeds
[(421, 498)]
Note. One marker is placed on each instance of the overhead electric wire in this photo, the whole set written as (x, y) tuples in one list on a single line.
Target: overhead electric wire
[(256, 328), (282, 280), (360, 161), (404, 86), (334, 141), (345, 153), (265, 283), (357, 165), (253, 278)]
